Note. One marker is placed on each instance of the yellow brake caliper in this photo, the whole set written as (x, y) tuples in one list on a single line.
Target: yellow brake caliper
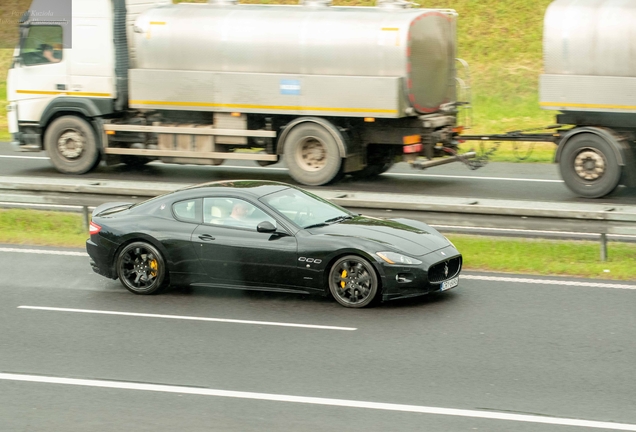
[(153, 267), (343, 275)]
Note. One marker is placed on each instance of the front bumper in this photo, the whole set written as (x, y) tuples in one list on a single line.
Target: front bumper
[(412, 281), (26, 142)]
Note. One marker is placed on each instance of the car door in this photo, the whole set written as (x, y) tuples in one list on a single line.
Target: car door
[(233, 252)]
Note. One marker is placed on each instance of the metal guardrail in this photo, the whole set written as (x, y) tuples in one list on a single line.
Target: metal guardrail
[(471, 214)]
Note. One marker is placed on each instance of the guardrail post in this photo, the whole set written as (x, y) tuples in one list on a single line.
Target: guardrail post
[(603, 247), (85, 217)]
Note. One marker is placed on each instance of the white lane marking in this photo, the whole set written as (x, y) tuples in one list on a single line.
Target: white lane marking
[(386, 174), (61, 206), (463, 276), (43, 252), (491, 415), (23, 157), (548, 282), (396, 174), (474, 177), (189, 318)]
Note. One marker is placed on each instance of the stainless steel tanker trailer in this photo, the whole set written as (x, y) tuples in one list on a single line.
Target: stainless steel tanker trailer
[(589, 52), (331, 90)]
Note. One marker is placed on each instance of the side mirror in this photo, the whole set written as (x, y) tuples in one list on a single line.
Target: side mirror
[(266, 227)]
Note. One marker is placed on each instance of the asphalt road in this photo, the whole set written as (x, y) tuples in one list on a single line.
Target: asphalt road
[(492, 355), (534, 182)]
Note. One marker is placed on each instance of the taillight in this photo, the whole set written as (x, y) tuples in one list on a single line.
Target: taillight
[(94, 228)]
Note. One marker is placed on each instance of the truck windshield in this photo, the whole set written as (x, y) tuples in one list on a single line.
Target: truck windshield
[(42, 45)]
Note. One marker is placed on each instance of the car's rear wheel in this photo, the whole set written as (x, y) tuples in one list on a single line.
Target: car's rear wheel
[(353, 282), (141, 268)]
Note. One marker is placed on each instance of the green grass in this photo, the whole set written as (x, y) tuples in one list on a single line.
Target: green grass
[(541, 257), (42, 228), (502, 42), (547, 257)]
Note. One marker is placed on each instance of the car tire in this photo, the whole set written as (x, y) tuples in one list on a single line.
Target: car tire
[(312, 155), (72, 145), (141, 269), (589, 167), (353, 282)]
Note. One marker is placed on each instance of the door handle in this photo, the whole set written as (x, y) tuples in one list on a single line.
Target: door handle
[(206, 237)]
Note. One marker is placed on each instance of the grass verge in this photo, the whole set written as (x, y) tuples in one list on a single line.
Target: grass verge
[(541, 257)]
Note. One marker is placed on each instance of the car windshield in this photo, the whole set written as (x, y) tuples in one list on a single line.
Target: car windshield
[(304, 208)]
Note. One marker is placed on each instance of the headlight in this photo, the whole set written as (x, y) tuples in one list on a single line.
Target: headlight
[(396, 258)]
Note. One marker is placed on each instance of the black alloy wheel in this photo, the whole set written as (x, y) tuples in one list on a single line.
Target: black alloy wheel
[(353, 282), (141, 268)]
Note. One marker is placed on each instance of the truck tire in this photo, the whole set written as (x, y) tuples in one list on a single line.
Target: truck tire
[(135, 161), (72, 145), (311, 154), (589, 166), (379, 160)]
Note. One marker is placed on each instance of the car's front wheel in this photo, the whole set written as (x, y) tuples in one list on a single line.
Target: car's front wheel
[(353, 282), (141, 268)]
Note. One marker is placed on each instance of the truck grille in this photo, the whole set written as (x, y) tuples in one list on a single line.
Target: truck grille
[(437, 272)]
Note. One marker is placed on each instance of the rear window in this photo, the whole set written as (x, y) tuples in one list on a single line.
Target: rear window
[(187, 210)]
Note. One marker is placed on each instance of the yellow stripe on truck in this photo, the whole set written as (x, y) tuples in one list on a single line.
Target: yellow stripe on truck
[(62, 93), (584, 105), (271, 107)]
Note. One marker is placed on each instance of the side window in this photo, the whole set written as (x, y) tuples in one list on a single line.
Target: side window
[(188, 210), (233, 212), (42, 45)]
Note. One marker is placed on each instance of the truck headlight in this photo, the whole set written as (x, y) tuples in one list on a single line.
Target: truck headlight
[(396, 258)]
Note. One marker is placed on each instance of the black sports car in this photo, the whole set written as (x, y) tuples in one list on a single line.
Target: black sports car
[(268, 236)]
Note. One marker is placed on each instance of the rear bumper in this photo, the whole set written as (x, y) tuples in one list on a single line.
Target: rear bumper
[(100, 260)]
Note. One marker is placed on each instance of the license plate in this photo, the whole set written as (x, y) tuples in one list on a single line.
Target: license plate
[(451, 283)]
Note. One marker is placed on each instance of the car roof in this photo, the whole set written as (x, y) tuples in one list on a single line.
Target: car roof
[(255, 188)]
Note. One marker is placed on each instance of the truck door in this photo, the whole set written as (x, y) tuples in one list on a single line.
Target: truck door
[(92, 65), (41, 73)]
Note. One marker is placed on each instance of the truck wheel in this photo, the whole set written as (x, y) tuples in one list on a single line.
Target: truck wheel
[(71, 144), (135, 161), (380, 159), (312, 155), (589, 167)]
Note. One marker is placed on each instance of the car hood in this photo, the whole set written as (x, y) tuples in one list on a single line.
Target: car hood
[(414, 239)]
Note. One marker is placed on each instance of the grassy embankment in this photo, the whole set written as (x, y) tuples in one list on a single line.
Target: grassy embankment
[(500, 40), (542, 257)]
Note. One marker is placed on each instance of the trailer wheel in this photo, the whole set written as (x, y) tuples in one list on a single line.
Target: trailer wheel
[(312, 155), (72, 145), (589, 167)]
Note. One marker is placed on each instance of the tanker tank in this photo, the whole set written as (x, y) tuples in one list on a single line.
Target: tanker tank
[(589, 56), (342, 61)]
